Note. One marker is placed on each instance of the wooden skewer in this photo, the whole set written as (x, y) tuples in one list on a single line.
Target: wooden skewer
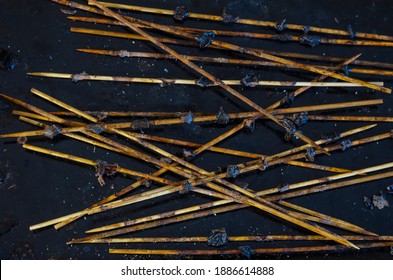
[(288, 38), (222, 60), (237, 193), (306, 249), (171, 81), (350, 118), (127, 22), (251, 238), (244, 21)]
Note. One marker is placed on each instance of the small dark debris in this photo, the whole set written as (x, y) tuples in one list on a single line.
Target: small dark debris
[(289, 127), (166, 160), (249, 125), (246, 251), (288, 100), (222, 117), (180, 13), (367, 202), (186, 188), (310, 154), (8, 59), (283, 37), (188, 119), (346, 144), (204, 82), (140, 124), (79, 77), (306, 29), (99, 115), (68, 12), (311, 41), (389, 189), (227, 18), (7, 224), (104, 168), (352, 34), (21, 140), (147, 183), (300, 119), (52, 131), (96, 128), (250, 80), (218, 237), (346, 70), (264, 166), (281, 25), (283, 188), (205, 39), (187, 154), (232, 171), (380, 201)]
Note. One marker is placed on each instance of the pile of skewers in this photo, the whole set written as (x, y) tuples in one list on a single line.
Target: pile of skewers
[(96, 128)]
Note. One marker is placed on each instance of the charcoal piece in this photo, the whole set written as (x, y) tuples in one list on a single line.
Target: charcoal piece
[(96, 128), (290, 128), (21, 140), (250, 80), (180, 13), (8, 59), (311, 41), (227, 18), (204, 82), (346, 144), (188, 155), (345, 69), (246, 251), (186, 188), (288, 100), (205, 39), (281, 25), (232, 171), (352, 34), (310, 154), (218, 237), (52, 131), (306, 29), (104, 168), (300, 119), (79, 77), (140, 124), (188, 119), (283, 188), (367, 202), (222, 117), (380, 201), (389, 189), (250, 125), (283, 37)]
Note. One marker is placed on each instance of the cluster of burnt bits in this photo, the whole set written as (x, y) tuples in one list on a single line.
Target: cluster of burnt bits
[(227, 18), (52, 131), (104, 168), (8, 59), (204, 82), (180, 13), (205, 39), (222, 117), (218, 237), (250, 80), (378, 201), (187, 187), (290, 128)]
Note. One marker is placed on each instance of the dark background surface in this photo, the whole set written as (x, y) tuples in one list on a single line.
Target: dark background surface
[(36, 188)]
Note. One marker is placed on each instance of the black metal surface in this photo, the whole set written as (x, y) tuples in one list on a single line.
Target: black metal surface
[(35, 188)]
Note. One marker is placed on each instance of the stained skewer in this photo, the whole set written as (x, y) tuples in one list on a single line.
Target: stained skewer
[(171, 81)]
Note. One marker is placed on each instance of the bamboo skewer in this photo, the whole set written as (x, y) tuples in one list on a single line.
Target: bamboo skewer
[(240, 195), (289, 38), (222, 60), (171, 81), (251, 238), (210, 252), (244, 21)]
